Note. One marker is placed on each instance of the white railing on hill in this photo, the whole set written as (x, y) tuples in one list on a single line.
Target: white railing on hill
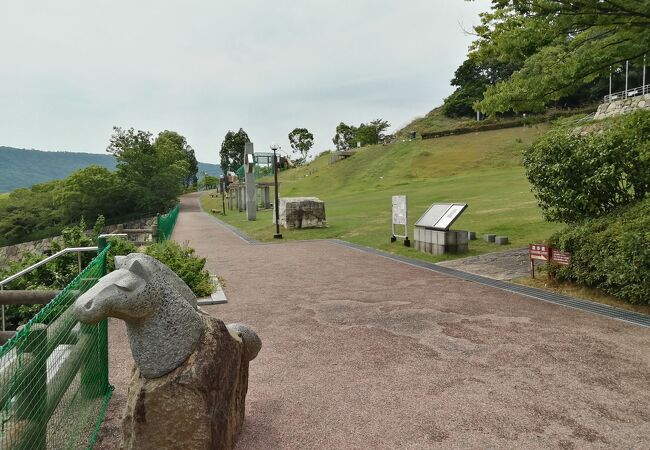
[(641, 90)]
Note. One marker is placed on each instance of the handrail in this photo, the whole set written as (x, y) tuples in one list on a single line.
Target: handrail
[(633, 92), (47, 260), (9, 279)]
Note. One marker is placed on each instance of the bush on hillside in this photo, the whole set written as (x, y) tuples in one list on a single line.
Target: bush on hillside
[(578, 175), (611, 253)]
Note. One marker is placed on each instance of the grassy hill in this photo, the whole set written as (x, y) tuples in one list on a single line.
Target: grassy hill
[(24, 168), (481, 169)]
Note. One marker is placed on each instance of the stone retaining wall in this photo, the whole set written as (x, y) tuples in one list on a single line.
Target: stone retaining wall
[(623, 106), (42, 246)]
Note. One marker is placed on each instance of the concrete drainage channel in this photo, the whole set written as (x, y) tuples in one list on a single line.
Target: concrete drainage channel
[(538, 294)]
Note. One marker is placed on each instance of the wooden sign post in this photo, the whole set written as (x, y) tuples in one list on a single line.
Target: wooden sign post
[(543, 252), (537, 251)]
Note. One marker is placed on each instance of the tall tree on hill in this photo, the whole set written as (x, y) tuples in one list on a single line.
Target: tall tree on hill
[(564, 45), (472, 79), (301, 141), (232, 150), (344, 137)]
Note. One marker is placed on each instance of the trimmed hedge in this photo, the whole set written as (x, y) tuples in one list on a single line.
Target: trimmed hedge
[(611, 253)]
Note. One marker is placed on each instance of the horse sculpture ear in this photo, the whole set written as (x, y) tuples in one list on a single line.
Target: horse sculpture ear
[(119, 261), (138, 268)]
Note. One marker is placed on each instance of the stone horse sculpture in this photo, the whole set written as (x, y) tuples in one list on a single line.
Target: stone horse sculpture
[(189, 386)]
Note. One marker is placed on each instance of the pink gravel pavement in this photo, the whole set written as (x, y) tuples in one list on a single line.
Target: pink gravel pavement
[(360, 351)]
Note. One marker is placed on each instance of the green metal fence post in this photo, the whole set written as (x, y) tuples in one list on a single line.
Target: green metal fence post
[(31, 400), (101, 243), (91, 368)]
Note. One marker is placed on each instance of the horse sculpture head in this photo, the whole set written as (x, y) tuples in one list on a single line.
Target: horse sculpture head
[(163, 323)]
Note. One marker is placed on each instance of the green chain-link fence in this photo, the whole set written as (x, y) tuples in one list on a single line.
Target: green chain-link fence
[(166, 224), (54, 374)]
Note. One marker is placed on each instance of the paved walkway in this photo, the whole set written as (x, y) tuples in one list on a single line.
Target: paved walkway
[(364, 352)]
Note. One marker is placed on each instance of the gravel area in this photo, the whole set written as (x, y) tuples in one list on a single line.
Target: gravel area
[(505, 266), (360, 351)]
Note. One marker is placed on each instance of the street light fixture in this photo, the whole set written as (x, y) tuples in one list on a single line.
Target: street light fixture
[(275, 147)]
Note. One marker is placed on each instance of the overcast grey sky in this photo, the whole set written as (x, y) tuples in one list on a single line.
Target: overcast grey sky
[(71, 69)]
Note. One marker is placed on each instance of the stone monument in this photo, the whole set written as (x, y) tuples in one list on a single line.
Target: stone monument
[(302, 212), (188, 388), (251, 187)]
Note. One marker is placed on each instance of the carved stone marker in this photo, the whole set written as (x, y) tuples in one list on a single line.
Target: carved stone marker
[(251, 187), (189, 386), (302, 212)]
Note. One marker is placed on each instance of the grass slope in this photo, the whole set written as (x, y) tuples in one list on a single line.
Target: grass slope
[(20, 168), (481, 169)]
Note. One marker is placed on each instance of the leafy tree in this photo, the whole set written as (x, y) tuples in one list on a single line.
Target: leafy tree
[(471, 79), (347, 136), (90, 192), (152, 171), (208, 182), (301, 141), (30, 214), (232, 150), (344, 137), (181, 143), (372, 133), (563, 45), (578, 175)]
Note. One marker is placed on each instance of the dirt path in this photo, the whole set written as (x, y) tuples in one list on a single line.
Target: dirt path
[(364, 352)]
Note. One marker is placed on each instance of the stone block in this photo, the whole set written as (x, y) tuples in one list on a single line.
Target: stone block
[(501, 240), (489, 237), (302, 212), (471, 235)]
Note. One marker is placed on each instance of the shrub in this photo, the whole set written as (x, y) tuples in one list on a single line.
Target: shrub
[(183, 261), (578, 175), (611, 253)]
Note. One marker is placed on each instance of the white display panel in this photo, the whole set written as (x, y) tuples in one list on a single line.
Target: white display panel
[(440, 216), (399, 209)]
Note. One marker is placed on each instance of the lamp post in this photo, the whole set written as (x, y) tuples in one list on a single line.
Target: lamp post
[(277, 234)]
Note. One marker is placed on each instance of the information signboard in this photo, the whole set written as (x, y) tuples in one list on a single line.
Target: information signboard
[(440, 216), (538, 251), (399, 210), (400, 217), (560, 257)]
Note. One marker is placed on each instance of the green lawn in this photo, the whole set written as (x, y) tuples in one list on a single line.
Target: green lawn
[(481, 169)]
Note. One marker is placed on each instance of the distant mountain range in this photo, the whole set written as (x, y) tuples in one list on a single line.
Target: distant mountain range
[(24, 168)]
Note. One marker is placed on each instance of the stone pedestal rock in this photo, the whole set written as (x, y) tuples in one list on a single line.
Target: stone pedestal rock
[(199, 405)]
